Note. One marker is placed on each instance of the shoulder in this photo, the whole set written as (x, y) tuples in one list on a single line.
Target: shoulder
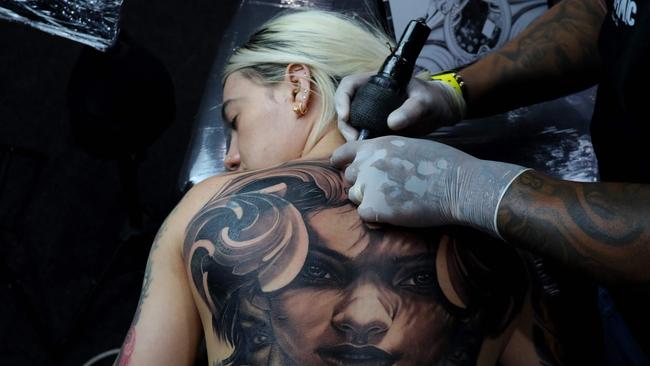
[(321, 173), (293, 181), (195, 198)]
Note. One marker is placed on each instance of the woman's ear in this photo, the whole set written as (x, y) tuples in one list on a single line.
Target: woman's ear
[(299, 77)]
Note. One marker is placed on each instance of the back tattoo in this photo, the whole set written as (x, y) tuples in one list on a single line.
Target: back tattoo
[(292, 276)]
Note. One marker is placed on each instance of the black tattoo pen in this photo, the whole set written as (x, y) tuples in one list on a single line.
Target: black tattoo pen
[(386, 91)]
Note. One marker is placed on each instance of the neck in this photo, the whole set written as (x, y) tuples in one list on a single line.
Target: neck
[(323, 147)]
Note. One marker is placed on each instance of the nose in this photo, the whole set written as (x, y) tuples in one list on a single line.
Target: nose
[(232, 160), (365, 316)]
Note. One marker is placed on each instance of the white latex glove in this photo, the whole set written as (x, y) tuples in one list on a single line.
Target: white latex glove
[(430, 104), (420, 183)]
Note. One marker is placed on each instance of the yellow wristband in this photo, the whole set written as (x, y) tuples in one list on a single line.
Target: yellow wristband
[(452, 79)]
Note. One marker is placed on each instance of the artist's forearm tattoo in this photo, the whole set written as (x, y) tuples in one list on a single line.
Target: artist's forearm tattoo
[(568, 41), (603, 229), (293, 277), (556, 55)]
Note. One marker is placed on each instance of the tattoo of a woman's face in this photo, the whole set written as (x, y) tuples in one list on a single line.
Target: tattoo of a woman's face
[(293, 277)]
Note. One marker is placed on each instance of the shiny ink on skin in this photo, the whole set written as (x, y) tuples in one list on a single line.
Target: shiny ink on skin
[(358, 296), (284, 288)]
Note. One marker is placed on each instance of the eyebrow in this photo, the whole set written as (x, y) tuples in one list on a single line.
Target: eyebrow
[(422, 257), (329, 253)]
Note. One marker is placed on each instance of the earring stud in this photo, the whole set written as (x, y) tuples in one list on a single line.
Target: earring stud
[(300, 109)]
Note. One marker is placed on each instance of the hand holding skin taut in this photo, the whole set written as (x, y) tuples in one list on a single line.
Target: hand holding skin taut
[(437, 185)]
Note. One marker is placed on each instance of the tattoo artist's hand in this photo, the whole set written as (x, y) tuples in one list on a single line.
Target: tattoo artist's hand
[(430, 104), (414, 182)]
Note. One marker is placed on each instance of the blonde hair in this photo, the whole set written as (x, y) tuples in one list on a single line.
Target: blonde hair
[(333, 45)]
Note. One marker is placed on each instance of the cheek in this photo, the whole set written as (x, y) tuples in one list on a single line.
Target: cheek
[(255, 148), (420, 331), (302, 319), (281, 127), (269, 138)]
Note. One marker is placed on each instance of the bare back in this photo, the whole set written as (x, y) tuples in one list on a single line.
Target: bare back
[(284, 272)]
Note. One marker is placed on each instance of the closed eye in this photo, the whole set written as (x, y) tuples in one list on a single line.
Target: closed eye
[(232, 124)]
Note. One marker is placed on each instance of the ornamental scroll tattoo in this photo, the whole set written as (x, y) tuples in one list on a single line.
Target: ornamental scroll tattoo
[(292, 276)]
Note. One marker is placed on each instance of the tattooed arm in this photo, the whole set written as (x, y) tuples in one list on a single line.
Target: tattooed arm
[(166, 326), (599, 228), (554, 56)]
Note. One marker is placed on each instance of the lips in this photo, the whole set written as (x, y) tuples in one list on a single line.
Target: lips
[(356, 356)]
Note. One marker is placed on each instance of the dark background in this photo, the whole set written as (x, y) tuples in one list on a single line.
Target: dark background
[(70, 270), (70, 277)]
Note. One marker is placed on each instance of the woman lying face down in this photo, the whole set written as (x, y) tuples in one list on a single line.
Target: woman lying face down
[(337, 291), (279, 87), (275, 258), (289, 275)]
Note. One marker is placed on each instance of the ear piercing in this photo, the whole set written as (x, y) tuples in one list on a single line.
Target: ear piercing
[(304, 92), (301, 108)]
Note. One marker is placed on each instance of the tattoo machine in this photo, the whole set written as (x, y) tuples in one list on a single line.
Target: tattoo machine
[(386, 91)]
